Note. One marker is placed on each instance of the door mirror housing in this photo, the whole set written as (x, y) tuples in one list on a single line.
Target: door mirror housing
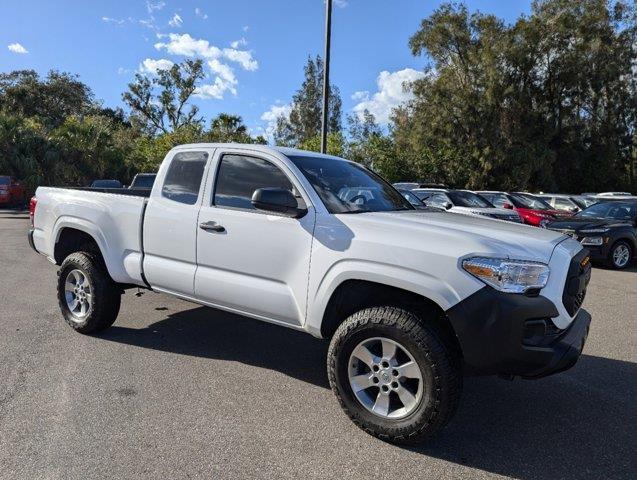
[(277, 200), (447, 205), (508, 206)]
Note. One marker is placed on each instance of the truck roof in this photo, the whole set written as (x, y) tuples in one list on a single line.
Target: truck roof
[(260, 148)]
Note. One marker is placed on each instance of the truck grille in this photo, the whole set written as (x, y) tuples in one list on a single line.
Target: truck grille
[(579, 274)]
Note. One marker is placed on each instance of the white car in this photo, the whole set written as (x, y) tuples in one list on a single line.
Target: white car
[(465, 202), (409, 299)]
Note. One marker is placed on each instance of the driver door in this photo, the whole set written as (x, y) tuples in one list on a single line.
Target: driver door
[(250, 261)]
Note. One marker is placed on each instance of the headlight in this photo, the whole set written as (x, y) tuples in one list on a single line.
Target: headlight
[(592, 241), (511, 276), (595, 230)]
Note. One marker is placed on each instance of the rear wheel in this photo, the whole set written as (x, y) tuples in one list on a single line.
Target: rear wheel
[(88, 297), (392, 375), (620, 255)]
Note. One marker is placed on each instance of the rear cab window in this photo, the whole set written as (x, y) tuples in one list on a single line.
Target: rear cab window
[(183, 179)]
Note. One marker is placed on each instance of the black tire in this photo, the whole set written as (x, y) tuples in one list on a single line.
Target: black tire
[(440, 369), (106, 295), (611, 255)]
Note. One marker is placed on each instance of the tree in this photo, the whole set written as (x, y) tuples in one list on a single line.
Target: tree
[(304, 122), (545, 103), (161, 101), (230, 129), (52, 100)]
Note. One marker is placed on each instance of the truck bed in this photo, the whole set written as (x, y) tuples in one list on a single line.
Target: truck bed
[(113, 217)]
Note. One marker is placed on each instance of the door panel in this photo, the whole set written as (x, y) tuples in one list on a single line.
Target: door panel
[(170, 224), (259, 264)]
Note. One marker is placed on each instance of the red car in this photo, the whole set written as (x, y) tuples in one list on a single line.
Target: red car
[(533, 210), (11, 191)]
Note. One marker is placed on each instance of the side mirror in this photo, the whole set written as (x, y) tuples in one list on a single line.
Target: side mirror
[(508, 206), (277, 200), (574, 209), (447, 205)]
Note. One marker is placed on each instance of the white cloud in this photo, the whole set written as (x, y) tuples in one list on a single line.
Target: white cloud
[(17, 48), (340, 3), (271, 116), (122, 71), (391, 93), (200, 13), (215, 90), (242, 57), (187, 46), (242, 42), (176, 21), (117, 21), (246, 28), (153, 6), (149, 23), (223, 71), (151, 66)]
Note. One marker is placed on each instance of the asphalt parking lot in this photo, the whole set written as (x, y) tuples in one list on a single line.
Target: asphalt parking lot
[(174, 390)]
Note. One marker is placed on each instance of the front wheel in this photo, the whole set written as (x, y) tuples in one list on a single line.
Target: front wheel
[(393, 376), (88, 297), (620, 255)]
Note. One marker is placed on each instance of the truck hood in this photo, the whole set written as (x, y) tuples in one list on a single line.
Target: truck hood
[(457, 235)]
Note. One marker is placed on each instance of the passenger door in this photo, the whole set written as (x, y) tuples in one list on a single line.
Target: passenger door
[(170, 223), (251, 261)]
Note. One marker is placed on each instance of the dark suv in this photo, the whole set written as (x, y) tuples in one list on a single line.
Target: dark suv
[(607, 229)]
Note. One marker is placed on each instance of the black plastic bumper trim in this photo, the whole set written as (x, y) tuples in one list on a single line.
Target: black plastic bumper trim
[(491, 327)]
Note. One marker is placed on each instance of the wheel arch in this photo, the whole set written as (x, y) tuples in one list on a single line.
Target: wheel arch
[(353, 295)]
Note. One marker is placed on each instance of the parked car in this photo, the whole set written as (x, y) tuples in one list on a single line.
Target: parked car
[(533, 211), (465, 202), (614, 194), (12, 192), (106, 184), (566, 203), (607, 229), (413, 199), (406, 297), (143, 180), (412, 185)]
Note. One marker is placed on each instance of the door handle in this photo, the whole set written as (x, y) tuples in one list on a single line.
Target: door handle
[(212, 227)]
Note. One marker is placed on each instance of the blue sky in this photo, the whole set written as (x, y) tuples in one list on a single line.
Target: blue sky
[(254, 50)]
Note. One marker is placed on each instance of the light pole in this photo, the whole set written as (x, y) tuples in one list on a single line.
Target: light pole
[(326, 75)]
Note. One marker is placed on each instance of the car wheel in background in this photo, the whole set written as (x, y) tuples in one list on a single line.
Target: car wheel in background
[(620, 255)]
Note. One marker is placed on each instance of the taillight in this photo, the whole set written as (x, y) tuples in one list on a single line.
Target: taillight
[(32, 204)]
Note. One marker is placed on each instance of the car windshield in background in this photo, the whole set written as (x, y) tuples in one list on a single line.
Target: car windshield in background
[(106, 184), (346, 187), (468, 199), (614, 210), (527, 201), (411, 198), (144, 182), (5, 180)]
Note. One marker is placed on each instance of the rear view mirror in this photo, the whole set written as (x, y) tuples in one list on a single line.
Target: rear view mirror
[(277, 200)]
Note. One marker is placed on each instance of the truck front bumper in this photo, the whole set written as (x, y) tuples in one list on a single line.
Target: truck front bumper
[(30, 238), (511, 334)]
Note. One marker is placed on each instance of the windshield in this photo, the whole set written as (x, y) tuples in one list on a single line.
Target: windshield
[(346, 187), (5, 180), (614, 210), (145, 181), (528, 201), (461, 198)]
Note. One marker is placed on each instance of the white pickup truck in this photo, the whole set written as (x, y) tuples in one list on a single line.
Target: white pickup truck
[(410, 299)]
